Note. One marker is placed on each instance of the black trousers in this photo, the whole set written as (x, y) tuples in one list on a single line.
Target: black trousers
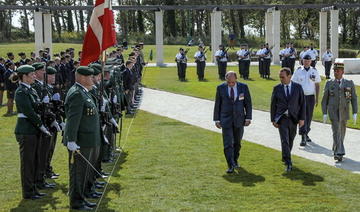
[(200, 69), (313, 63), (310, 104), (267, 63), (244, 66), (43, 155), (81, 174), (49, 168), (222, 69), (284, 63), (182, 70), (287, 131), (232, 144), (327, 68), (291, 64), (261, 66), (28, 145)]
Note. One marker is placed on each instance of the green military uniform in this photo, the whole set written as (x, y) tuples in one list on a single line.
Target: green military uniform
[(27, 134), (337, 96), (82, 127)]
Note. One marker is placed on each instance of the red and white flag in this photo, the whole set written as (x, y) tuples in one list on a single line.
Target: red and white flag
[(100, 34)]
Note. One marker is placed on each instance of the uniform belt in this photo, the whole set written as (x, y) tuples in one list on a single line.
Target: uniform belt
[(21, 115)]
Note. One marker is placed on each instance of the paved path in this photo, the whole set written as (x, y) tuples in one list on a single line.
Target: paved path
[(319, 67), (198, 112)]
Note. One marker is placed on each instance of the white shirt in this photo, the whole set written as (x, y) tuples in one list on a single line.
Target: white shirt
[(302, 54), (313, 53), (82, 86), (25, 84), (235, 91), (219, 53), (292, 52), (327, 56), (283, 52), (264, 51), (199, 56), (242, 52), (289, 88), (181, 58), (306, 79)]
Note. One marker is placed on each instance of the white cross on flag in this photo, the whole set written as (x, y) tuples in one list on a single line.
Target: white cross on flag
[(100, 34)]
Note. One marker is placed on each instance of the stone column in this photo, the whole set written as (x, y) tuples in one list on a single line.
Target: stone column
[(323, 32), (275, 36), (268, 28), (38, 28), (334, 32), (216, 29), (159, 36), (47, 43)]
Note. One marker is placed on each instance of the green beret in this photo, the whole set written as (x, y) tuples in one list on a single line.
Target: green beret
[(85, 70), (25, 69), (50, 70), (108, 68), (338, 66), (97, 68), (38, 65)]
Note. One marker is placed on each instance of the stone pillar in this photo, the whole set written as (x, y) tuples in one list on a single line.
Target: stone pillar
[(334, 32), (323, 33), (38, 28), (47, 43), (275, 36), (216, 29), (268, 28), (159, 36)]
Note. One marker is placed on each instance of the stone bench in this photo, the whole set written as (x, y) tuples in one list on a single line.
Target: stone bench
[(351, 65)]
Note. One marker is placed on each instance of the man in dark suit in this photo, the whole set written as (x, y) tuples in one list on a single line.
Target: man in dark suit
[(287, 110), (233, 111)]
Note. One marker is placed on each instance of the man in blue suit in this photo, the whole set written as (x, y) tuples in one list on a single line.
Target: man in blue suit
[(233, 111), (287, 110)]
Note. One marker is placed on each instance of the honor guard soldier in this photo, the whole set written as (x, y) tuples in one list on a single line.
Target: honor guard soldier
[(22, 58), (266, 55), (244, 61), (327, 59), (282, 54), (309, 78), (302, 54), (2, 80), (200, 59), (338, 94), (291, 57), (10, 86), (261, 61), (313, 54), (82, 136), (222, 59), (181, 60), (27, 130)]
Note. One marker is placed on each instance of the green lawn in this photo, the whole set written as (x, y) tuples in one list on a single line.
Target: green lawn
[(261, 89), (169, 50), (171, 166)]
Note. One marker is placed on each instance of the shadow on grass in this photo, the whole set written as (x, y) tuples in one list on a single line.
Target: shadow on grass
[(244, 177), (104, 204), (307, 178), (121, 161), (38, 205)]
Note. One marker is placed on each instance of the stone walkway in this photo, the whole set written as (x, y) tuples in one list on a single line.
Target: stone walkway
[(199, 112)]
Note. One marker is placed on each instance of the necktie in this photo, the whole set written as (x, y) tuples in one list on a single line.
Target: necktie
[(232, 94), (287, 91), (338, 81)]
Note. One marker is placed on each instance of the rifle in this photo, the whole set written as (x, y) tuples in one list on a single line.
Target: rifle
[(46, 114)]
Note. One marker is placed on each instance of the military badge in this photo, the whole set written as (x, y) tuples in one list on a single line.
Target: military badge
[(347, 93)]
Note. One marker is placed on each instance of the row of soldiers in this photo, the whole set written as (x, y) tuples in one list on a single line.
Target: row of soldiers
[(89, 119)]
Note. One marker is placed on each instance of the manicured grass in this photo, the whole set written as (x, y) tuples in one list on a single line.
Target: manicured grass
[(261, 89), (169, 50), (168, 165)]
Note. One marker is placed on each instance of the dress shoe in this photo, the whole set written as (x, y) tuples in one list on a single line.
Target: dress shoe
[(99, 186), (98, 193), (92, 196), (40, 194), (82, 208), (100, 183), (90, 204), (230, 170), (236, 166), (303, 140), (34, 197), (288, 168), (308, 139)]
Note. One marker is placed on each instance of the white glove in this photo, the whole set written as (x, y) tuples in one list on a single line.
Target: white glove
[(56, 125), (56, 97), (324, 118), (114, 99), (72, 146), (46, 99), (103, 106), (44, 130), (113, 121), (354, 118), (62, 125)]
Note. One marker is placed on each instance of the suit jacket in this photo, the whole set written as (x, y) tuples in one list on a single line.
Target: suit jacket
[(294, 105), (230, 112), (336, 99), (82, 118)]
